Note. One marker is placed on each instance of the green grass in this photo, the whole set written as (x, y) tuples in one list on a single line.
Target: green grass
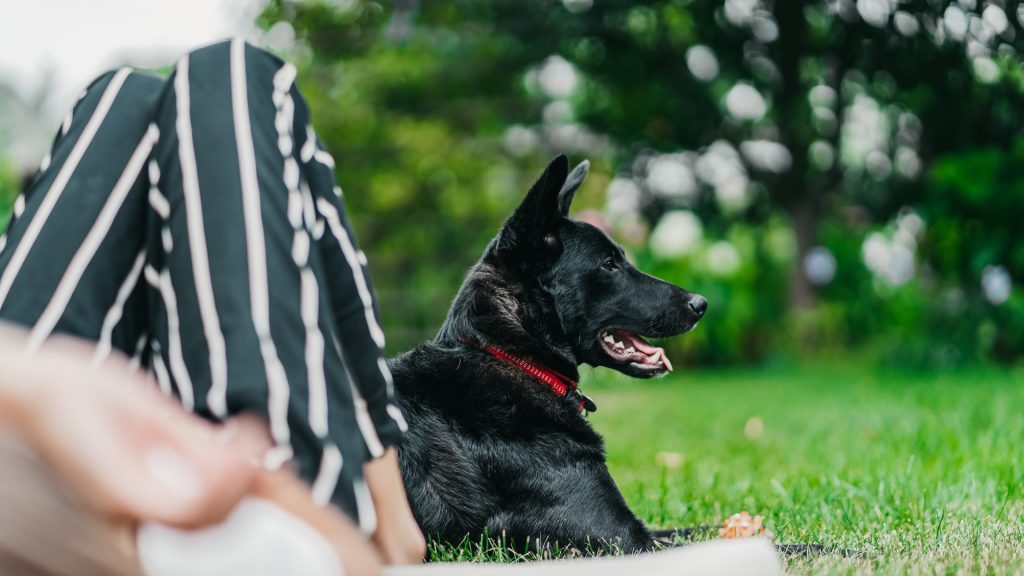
[(923, 473)]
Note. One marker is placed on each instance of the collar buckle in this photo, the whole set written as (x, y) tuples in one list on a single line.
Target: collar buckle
[(586, 403)]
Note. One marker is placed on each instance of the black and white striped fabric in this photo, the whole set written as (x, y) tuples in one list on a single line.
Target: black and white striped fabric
[(195, 225)]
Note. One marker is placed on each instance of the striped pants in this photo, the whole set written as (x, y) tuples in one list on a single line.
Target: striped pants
[(194, 224)]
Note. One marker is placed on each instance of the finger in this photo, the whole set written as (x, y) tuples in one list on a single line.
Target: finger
[(221, 465), (118, 480), (186, 471), (170, 467), (166, 486)]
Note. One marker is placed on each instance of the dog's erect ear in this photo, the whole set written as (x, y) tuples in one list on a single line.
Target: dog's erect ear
[(542, 201), (539, 210), (572, 184), (538, 215)]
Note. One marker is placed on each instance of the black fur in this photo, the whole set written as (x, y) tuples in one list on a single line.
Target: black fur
[(489, 448)]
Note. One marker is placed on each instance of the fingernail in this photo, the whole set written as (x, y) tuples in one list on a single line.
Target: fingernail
[(167, 466)]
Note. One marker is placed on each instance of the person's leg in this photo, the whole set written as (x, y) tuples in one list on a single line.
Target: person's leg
[(355, 314), (74, 248), (241, 320), (236, 312)]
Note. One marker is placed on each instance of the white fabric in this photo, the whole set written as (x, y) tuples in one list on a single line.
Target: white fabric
[(755, 557), (258, 539)]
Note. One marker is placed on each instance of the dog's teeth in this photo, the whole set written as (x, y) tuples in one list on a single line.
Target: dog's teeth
[(619, 345), (630, 350), (609, 339)]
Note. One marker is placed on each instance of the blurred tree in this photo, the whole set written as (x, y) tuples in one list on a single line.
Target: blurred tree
[(779, 81), (8, 192), (713, 115), (975, 233), (413, 102)]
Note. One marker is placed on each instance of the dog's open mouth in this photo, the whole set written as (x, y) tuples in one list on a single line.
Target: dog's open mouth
[(627, 347)]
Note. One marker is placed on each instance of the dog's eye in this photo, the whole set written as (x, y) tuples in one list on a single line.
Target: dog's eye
[(609, 264)]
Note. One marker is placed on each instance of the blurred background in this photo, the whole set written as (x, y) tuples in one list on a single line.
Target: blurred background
[(843, 179)]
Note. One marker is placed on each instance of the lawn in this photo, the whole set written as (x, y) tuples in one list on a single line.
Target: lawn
[(922, 473)]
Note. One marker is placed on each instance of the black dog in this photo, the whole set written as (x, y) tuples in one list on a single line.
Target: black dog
[(497, 443)]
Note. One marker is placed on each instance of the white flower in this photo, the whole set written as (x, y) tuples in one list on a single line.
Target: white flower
[(995, 17), (767, 155), (996, 284), (678, 233), (892, 261), (956, 21), (906, 23), (875, 252), (744, 102), (719, 163), (623, 198), (874, 12), (557, 112), (702, 63), (822, 95), (720, 166), (901, 265), (722, 259), (985, 70), (820, 265), (866, 130), (908, 163), (670, 176), (763, 27), (519, 140), (822, 154), (739, 12), (557, 77), (733, 195), (910, 221), (281, 36), (577, 6)]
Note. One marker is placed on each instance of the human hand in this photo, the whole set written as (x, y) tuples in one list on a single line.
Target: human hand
[(125, 449), (285, 489), (398, 536)]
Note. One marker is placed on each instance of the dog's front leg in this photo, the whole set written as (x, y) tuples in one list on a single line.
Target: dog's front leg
[(576, 504)]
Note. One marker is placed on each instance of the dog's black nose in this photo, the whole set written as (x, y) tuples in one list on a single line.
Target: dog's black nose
[(698, 304)]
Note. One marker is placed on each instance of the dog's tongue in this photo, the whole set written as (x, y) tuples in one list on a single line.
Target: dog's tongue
[(654, 354)]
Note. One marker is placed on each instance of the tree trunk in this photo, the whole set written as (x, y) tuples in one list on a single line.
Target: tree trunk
[(804, 220), (795, 194)]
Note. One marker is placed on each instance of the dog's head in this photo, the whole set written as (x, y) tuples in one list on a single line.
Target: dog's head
[(604, 305)]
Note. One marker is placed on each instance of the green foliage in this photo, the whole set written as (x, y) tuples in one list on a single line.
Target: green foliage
[(748, 301), (414, 124), (8, 192), (975, 227), (439, 117), (944, 316)]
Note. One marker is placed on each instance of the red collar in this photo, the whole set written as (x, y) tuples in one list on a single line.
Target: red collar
[(560, 384)]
